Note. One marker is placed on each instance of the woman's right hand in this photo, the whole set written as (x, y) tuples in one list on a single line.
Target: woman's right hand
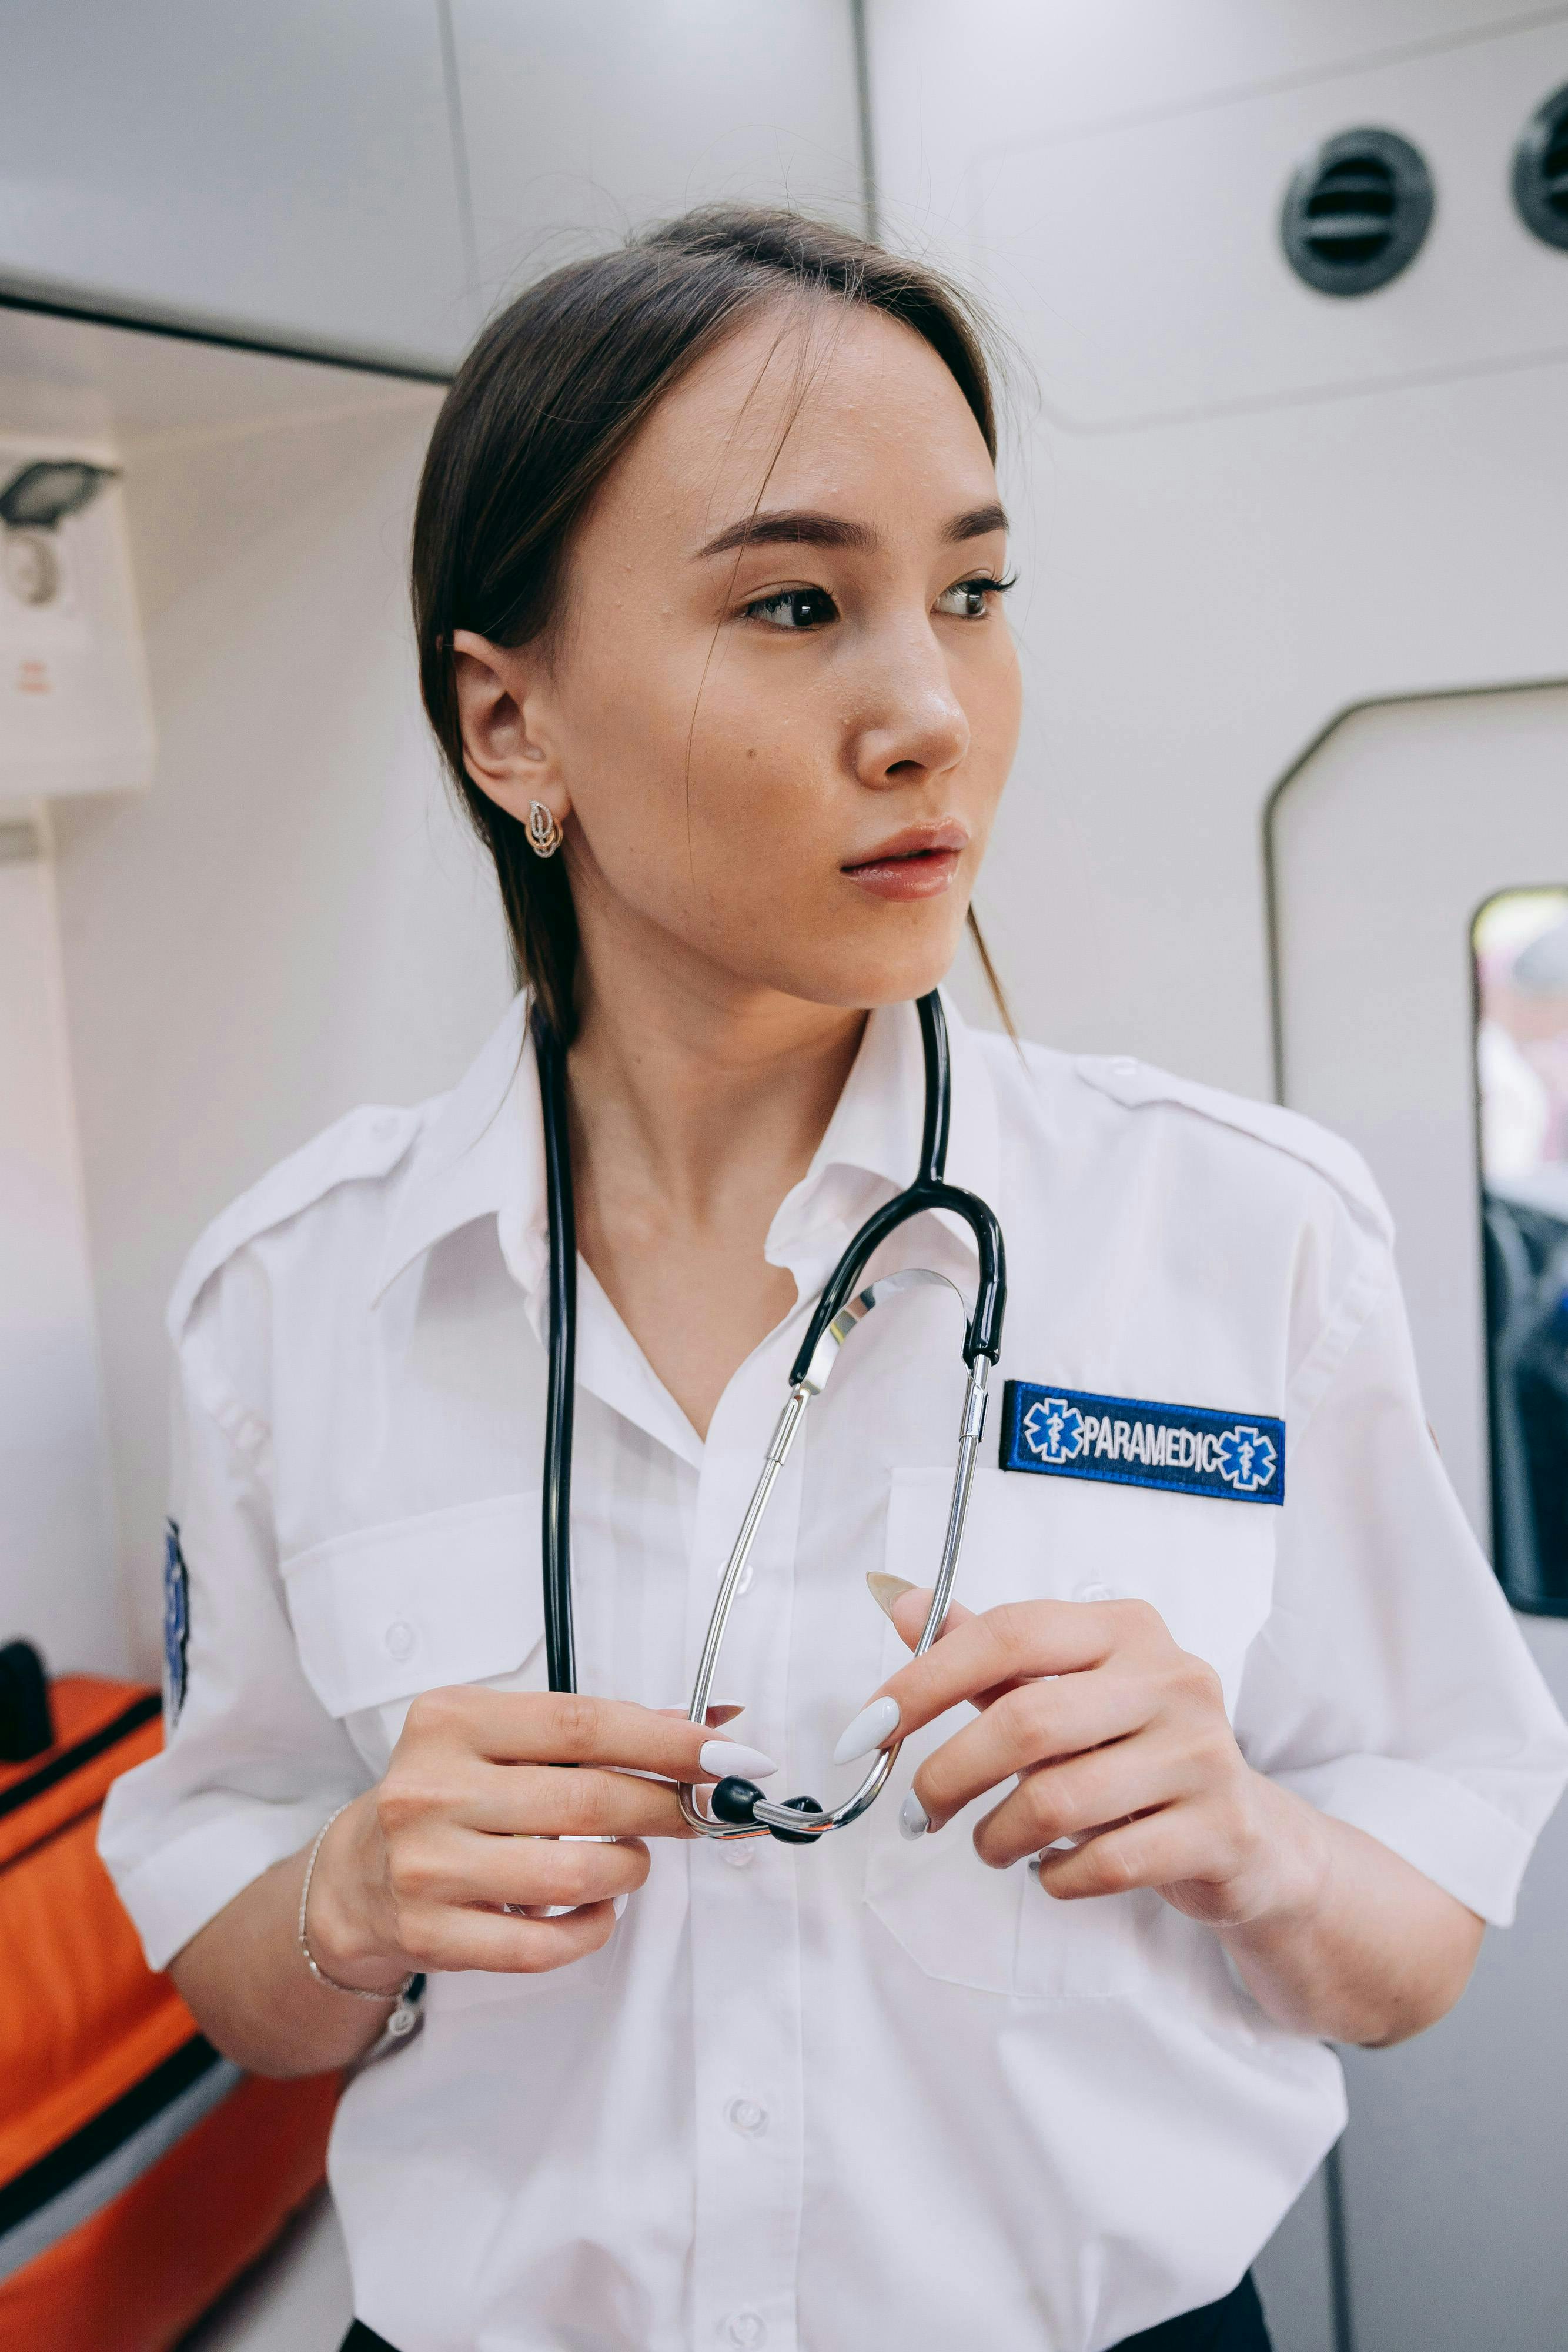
[(477, 1810)]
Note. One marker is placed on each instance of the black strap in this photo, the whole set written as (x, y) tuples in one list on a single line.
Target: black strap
[(104, 2134), (86, 1751)]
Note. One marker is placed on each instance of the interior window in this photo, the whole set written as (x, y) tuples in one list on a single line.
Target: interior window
[(1520, 941)]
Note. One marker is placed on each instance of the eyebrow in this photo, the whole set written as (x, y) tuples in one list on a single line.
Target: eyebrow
[(799, 527)]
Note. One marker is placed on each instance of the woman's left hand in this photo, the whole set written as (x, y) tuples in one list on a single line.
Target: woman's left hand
[(1119, 1741)]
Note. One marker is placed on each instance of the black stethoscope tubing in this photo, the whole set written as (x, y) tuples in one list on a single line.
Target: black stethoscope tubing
[(560, 1654), (930, 1189)]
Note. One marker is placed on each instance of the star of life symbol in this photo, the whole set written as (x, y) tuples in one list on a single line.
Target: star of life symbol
[(1054, 1429), (1248, 1459)]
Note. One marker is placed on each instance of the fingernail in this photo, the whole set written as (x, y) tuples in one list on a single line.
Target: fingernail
[(914, 1821), (869, 1730), (725, 1757), (718, 1714), (887, 1590)]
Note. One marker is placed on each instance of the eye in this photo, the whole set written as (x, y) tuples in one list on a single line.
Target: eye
[(969, 600), (794, 608)]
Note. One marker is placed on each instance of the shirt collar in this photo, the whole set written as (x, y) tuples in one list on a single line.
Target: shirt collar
[(481, 1154), (876, 1132), (482, 1151)]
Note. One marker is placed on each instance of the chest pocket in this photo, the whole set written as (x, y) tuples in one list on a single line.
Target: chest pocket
[(419, 1605), (416, 1606), (1206, 1565)]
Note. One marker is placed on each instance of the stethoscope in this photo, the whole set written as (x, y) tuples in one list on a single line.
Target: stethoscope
[(738, 1808)]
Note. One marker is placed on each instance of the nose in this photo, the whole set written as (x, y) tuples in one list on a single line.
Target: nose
[(914, 725)]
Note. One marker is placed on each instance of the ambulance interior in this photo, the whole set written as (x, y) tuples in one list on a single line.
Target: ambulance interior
[(1286, 292)]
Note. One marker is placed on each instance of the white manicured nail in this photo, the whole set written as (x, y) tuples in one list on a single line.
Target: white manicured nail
[(887, 1591), (726, 1758), (869, 1730), (914, 1821)]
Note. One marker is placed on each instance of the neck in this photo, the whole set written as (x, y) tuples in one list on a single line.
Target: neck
[(697, 1103), (702, 1084)]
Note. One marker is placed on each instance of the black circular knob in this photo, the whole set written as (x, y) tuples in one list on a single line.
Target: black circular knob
[(734, 1800), (797, 1837)]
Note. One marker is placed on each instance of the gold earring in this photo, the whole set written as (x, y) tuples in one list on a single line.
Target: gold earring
[(545, 836)]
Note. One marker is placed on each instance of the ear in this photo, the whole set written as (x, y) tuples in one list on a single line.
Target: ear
[(501, 709)]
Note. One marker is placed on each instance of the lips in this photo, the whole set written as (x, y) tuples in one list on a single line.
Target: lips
[(919, 862)]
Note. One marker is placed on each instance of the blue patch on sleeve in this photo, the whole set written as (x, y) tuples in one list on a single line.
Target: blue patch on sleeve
[(176, 1622), (1186, 1449)]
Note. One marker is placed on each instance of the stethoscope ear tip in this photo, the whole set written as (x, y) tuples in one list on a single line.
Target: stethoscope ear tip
[(735, 1801), (797, 1837)]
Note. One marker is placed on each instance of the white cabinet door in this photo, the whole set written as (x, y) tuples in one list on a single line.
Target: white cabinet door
[(280, 163), (1385, 844)]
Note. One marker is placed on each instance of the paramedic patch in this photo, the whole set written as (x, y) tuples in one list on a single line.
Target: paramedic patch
[(176, 1621), (1187, 1448)]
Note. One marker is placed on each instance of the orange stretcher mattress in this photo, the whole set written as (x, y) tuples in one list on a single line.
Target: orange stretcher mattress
[(140, 2171)]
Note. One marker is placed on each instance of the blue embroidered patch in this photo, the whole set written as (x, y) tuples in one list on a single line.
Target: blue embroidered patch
[(1187, 1448), (176, 1622)]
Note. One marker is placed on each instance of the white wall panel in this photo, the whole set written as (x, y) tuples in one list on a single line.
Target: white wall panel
[(280, 162), (1080, 235), (56, 1539), (949, 94), (582, 121), (291, 920), (1199, 598)]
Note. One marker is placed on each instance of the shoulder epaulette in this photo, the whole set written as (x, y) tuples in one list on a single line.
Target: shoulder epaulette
[(1138, 1084), (366, 1142)]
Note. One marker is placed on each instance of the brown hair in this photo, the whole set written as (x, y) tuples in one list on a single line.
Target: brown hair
[(545, 403)]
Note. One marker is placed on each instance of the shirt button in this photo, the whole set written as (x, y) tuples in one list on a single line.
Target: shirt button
[(746, 2328), (1095, 1592), (1122, 1066), (399, 1639), (751, 2121), (740, 1853)]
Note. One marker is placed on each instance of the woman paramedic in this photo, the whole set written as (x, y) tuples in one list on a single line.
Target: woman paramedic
[(709, 573)]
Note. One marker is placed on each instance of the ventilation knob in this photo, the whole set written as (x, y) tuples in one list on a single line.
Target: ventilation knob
[(1357, 211), (1540, 171)]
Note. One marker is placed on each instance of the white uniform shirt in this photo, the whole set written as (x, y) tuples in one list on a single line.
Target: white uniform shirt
[(866, 2093)]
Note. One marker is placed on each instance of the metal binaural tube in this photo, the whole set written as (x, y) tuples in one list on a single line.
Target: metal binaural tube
[(971, 1427), (778, 1454)]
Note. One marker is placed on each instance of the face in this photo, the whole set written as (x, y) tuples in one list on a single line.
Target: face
[(777, 712)]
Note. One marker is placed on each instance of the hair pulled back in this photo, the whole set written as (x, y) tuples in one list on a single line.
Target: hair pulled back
[(551, 393)]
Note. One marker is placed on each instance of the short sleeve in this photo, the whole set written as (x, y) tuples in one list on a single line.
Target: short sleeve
[(252, 1763), (1390, 1685)]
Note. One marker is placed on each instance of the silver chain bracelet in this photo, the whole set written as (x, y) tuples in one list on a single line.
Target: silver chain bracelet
[(358, 1992)]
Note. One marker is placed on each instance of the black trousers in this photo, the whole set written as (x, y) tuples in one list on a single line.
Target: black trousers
[(1233, 2324)]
